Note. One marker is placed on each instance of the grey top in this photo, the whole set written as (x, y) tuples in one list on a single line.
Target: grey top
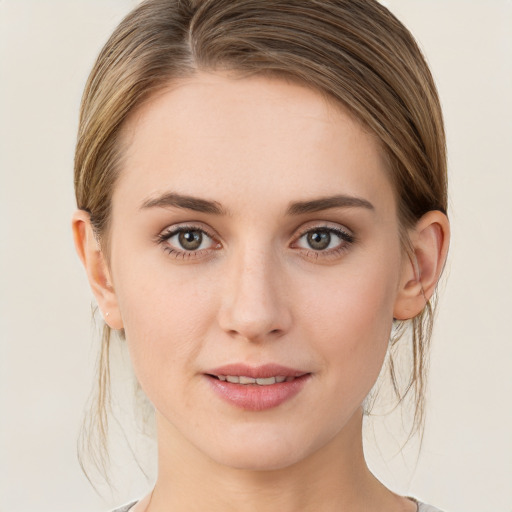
[(422, 507), (126, 507)]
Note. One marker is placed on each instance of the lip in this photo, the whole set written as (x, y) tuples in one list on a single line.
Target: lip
[(256, 372), (254, 397)]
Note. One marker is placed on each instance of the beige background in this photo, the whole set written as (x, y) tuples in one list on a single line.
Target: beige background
[(46, 350)]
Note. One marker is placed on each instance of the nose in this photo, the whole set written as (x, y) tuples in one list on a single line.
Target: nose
[(254, 304)]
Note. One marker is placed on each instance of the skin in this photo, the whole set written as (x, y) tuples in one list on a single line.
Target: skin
[(256, 292)]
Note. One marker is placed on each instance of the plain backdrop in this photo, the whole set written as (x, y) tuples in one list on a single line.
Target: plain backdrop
[(47, 345)]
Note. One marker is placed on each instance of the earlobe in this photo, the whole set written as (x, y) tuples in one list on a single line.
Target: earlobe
[(98, 273), (423, 265)]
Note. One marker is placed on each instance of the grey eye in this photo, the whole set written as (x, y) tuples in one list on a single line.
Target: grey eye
[(318, 240), (187, 240), (190, 240), (324, 239)]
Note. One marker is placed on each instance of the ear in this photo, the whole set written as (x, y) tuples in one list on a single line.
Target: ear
[(98, 273), (422, 267)]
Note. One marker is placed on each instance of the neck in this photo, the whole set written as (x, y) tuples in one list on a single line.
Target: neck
[(332, 479)]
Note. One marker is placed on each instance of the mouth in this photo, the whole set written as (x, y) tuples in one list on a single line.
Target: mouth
[(248, 381), (256, 388)]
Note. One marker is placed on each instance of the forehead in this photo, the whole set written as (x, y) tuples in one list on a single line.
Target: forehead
[(233, 138)]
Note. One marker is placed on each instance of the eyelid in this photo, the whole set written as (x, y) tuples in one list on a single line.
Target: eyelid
[(169, 232), (173, 229), (343, 231), (346, 235)]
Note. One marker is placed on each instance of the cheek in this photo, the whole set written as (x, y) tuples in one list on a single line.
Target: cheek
[(351, 320), (165, 315)]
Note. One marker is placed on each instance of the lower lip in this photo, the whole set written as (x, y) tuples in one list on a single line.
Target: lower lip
[(252, 397)]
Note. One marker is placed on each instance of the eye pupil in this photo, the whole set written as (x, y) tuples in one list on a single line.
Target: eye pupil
[(319, 240), (190, 240)]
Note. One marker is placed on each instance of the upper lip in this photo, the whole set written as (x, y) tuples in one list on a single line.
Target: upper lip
[(256, 372)]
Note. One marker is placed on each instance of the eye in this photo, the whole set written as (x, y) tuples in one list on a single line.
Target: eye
[(319, 240), (325, 239), (189, 240), (186, 241)]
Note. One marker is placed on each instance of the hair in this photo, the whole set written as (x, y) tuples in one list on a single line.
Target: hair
[(355, 52)]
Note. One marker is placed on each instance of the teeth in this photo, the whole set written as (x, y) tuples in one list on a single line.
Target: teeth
[(267, 381), (242, 379)]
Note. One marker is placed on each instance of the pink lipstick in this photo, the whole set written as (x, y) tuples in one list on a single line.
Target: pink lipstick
[(256, 388)]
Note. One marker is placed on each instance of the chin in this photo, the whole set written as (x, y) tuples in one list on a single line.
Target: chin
[(257, 449), (272, 459)]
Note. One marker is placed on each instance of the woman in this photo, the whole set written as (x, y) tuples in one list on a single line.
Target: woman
[(262, 201)]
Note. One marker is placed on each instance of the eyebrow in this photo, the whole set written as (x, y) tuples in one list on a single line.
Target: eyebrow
[(326, 203), (172, 199)]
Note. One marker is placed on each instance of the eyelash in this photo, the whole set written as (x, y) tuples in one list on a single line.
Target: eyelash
[(346, 238), (164, 237)]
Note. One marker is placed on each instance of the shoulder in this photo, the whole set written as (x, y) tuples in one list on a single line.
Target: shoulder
[(125, 508), (422, 507)]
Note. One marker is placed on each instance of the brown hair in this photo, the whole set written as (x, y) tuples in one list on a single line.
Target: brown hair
[(353, 51)]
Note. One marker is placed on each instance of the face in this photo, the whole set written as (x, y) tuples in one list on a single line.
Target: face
[(254, 235)]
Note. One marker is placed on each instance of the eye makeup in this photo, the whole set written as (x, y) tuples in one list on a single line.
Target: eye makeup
[(191, 241)]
